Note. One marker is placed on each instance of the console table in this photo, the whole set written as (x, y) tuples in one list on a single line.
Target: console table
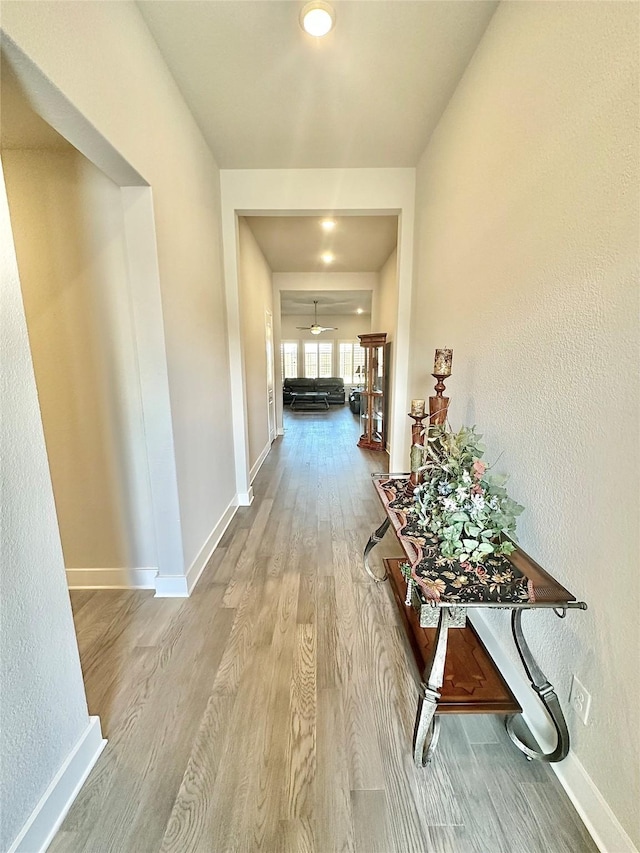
[(437, 599)]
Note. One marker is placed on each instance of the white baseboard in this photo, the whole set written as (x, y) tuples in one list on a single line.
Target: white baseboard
[(280, 431), (603, 826), (595, 812), (111, 578), (171, 586), (181, 586), (245, 498), (198, 565), (258, 464), (41, 827)]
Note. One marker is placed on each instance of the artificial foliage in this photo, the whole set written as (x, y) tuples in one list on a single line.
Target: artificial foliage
[(463, 505)]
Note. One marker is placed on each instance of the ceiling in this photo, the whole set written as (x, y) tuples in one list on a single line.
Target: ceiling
[(300, 303), (295, 243), (266, 95)]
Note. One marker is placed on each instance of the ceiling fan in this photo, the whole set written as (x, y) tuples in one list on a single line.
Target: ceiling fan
[(314, 328)]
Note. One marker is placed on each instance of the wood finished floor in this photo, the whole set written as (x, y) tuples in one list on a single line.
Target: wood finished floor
[(273, 710)]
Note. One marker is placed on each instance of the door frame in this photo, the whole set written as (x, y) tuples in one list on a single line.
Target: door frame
[(317, 192)]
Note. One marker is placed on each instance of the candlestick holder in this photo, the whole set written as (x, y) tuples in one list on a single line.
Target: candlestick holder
[(416, 451), (438, 405)]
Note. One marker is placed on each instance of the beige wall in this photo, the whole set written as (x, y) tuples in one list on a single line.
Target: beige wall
[(158, 137), (68, 230), (256, 298), (384, 312), (385, 319), (43, 707), (527, 264)]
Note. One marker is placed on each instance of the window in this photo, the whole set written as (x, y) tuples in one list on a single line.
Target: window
[(351, 358), (318, 359), (289, 359)]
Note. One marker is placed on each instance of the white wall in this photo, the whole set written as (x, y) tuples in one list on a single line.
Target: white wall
[(43, 708), (256, 297), (527, 264), (385, 319), (384, 313), (68, 229), (132, 100)]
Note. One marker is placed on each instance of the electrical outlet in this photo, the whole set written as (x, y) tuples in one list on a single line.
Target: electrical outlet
[(580, 699)]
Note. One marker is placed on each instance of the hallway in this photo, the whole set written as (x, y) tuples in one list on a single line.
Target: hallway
[(273, 711)]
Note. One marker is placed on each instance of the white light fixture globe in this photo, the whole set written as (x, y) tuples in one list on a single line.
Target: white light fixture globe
[(317, 18), (315, 331)]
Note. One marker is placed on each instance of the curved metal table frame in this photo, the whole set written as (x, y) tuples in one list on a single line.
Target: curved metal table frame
[(427, 725)]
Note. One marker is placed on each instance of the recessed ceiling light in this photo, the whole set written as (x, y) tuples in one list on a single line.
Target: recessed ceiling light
[(359, 311), (328, 224), (327, 257), (317, 18)]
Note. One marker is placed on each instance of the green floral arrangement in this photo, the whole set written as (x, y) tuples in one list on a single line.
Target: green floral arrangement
[(460, 503)]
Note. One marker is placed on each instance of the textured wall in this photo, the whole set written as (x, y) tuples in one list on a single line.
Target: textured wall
[(43, 710), (384, 315), (132, 100), (256, 297), (67, 224), (527, 264)]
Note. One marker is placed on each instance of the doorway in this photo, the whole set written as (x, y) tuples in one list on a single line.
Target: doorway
[(84, 236)]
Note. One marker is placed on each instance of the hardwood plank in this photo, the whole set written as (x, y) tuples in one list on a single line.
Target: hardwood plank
[(328, 675), (334, 825), (370, 821), (266, 791), (195, 800), (300, 761), (295, 836)]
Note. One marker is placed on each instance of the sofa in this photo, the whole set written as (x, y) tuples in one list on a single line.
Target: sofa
[(333, 384)]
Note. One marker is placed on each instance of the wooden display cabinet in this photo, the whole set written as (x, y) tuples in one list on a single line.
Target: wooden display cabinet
[(372, 402)]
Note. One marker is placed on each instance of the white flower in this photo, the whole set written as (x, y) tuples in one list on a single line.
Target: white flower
[(449, 505), (466, 477), (461, 492), (477, 501)]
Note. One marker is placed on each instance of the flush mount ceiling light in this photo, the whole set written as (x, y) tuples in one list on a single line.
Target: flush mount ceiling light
[(317, 18), (327, 257)]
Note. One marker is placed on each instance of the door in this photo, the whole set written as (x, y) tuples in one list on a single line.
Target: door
[(271, 404)]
